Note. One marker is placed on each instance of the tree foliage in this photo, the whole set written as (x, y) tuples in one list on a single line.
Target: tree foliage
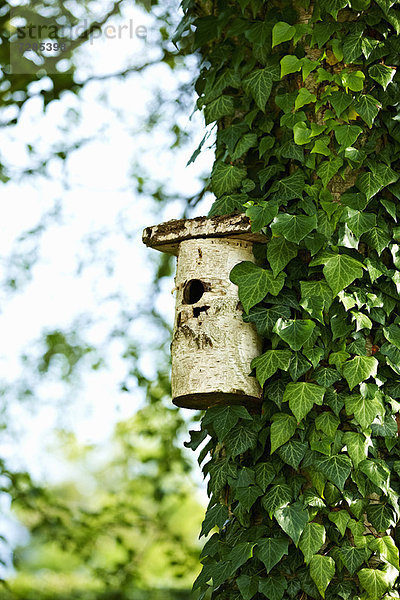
[(304, 494)]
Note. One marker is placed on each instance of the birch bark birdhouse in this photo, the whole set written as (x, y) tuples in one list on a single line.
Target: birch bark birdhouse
[(212, 347)]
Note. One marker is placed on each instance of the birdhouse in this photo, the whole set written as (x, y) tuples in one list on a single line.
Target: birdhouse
[(212, 347)]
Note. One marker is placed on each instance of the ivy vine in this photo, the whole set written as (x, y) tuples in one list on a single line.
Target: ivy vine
[(304, 494)]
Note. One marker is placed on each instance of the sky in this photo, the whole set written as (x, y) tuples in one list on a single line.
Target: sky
[(91, 248)]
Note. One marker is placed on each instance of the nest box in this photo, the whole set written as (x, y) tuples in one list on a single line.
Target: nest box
[(212, 347)]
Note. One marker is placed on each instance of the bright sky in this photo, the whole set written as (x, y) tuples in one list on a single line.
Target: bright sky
[(97, 195)]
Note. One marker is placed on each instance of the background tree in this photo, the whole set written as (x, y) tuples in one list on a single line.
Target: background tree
[(305, 492)]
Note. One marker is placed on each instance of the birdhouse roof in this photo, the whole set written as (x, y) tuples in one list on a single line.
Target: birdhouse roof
[(167, 236)]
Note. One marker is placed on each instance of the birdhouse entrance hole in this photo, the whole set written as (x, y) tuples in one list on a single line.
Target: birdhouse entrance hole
[(193, 291)]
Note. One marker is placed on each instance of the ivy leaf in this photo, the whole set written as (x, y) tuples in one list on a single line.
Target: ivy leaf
[(392, 334), (353, 558), (282, 429), (385, 5), (262, 214), (215, 516), (335, 468), (273, 587), (292, 453), (271, 550), (240, 554), (226, 178), (377, 471), (382, 74), (240, 439), (346, 135), (359, 369), (292, 519), (368, 108), (361, 222), (280, 252), (265, 474), (328, 169), (293, 227), (322, 570), (290, 64), (333, 7), (249, 140), (220, 107), (357, 446), (377, 238), (298, 366), (352, 46), (364, 409), (380, 516), (340, 101), (247, 495), (340, 271), (268, 363), (228, 204), (369, 183), (328, 423), (354, 80), (279, 495), (374, 582), (312, 538), (302, 397), (315, 289), (259, 84), (265, 318), (341, 519), (290, 187), (386, 548), (294, 332), (254, 283), (282, 32), (304, 97), (224, 418), (247, 585)]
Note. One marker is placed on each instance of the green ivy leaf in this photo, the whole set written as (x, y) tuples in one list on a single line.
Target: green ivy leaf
[(359, 369), (377, 239), (268, 363), (220, 107), (289, 188), (377, 471), (304, 97), (240, 554), (335, 468), (247, 585), (259, 84), (282, 32), (279, 495), (340, 271), (340, 101), (271, 550), (333, 7), (298, 366), (369, 183), (380, 516), (273, 587), (328, 169), (282, 429), (382, 74), (361, 222), (346, 135), (312, 538), (254, 283), (294, 332), (364, 409), (292, 453), (247, 495), (374, 582), (354, 80), (302, 397), (352, 46), (341, 519), (293, 227), (228, 204), (292, 519), (290, 64), (249, 140), (368, 108), (262, 214), (353, 558), (265, 474), (279, 253), (240, 439), (224, 418), (387, 549), (322, 570), (265, 318), (215, 516), (357, 446), (328, 423), (226, 178)]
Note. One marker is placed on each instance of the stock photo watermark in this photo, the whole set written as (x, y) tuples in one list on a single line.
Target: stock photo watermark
[(40, 45)]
